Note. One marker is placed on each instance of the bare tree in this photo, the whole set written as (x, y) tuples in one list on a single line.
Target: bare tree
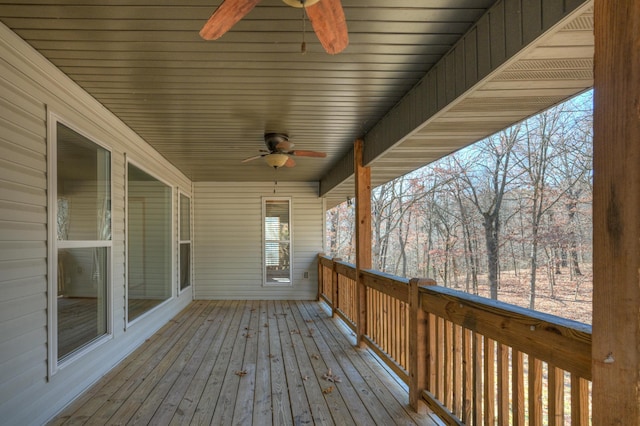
[(486, 176), (546, 136)]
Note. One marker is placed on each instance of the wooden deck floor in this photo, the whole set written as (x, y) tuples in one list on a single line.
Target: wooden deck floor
[(247, 362)]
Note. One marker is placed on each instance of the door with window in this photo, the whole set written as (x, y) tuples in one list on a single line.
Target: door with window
[(277, 241)]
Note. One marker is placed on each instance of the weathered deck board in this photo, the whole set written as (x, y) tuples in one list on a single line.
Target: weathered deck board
[(190, 373)]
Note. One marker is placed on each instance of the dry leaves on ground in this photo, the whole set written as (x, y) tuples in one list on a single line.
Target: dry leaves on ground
[(331, 377)]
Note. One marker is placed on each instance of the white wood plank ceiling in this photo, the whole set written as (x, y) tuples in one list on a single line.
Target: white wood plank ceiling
[(419, 79)]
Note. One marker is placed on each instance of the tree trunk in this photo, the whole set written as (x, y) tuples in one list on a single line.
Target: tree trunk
[(532, 282), (491, 236)]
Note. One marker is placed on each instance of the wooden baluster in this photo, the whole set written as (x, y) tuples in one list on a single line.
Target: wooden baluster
[(517, 388), (477, 378), (467, 376), (448, 364), (489, 380), (556, 396), (457, 370), (503, 384), (579, 401), (440, 367), (419, 359), (535, 391)]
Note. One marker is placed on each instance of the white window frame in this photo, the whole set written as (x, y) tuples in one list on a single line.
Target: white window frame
[(53, 245), (264, 243), (181, 241), (172, 273)]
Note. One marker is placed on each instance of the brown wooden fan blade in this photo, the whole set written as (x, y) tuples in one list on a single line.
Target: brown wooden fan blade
[(299, 153), (290, 162), (225, 16), (330, 25), (255, 157)]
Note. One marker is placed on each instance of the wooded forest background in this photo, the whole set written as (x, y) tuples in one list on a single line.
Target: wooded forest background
[(511, 210)]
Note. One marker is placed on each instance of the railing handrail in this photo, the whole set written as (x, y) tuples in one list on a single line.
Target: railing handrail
[(559, 341), (392, 285), (434, 337)]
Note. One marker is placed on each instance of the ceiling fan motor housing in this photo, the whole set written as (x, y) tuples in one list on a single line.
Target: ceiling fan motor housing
[(273, 139), (300, 3)]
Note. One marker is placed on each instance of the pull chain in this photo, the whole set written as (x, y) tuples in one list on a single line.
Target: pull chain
[(303, 47), (275, 179)]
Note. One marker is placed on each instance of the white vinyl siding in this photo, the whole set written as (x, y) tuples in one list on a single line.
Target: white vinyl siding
[(228, 244), (29, 86)]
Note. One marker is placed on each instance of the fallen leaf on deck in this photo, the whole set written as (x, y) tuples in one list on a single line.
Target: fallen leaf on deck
[(331, 377), (309, 320), (305, 378), (295, 331), (327, 390), (310, 333), (315, 356), (266, 325), (241, 373)]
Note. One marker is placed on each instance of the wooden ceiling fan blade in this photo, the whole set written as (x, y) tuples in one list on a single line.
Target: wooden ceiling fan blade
[(302, 153), (255, 157), (226, 16), (330, 25), (290, 162)]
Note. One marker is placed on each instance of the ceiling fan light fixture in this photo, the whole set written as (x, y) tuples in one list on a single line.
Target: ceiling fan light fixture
[(276, 159), (300, 3)]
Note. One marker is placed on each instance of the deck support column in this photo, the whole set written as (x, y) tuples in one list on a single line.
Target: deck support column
[(320, 278), (363, 236), (616, 214), (334, 287), (418, 330)]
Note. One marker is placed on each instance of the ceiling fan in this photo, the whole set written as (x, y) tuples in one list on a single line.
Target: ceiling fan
[(280, 150), (326, 16)]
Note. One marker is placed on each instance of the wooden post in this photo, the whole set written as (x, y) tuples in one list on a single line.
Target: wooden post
[(320, 277), (363, 236), (334, 287), (418, 362), (616, 213)]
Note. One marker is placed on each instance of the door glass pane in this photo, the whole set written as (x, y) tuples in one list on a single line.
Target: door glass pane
[(185, 218), (185, 265), (82, 295), (149, 242), (185, 243)]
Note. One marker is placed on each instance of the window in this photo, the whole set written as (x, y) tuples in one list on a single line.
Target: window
[(185, 242), (277, 241), (149, 242), (79, 242)]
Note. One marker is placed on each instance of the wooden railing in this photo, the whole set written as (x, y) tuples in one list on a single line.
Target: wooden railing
[(472, 360)]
